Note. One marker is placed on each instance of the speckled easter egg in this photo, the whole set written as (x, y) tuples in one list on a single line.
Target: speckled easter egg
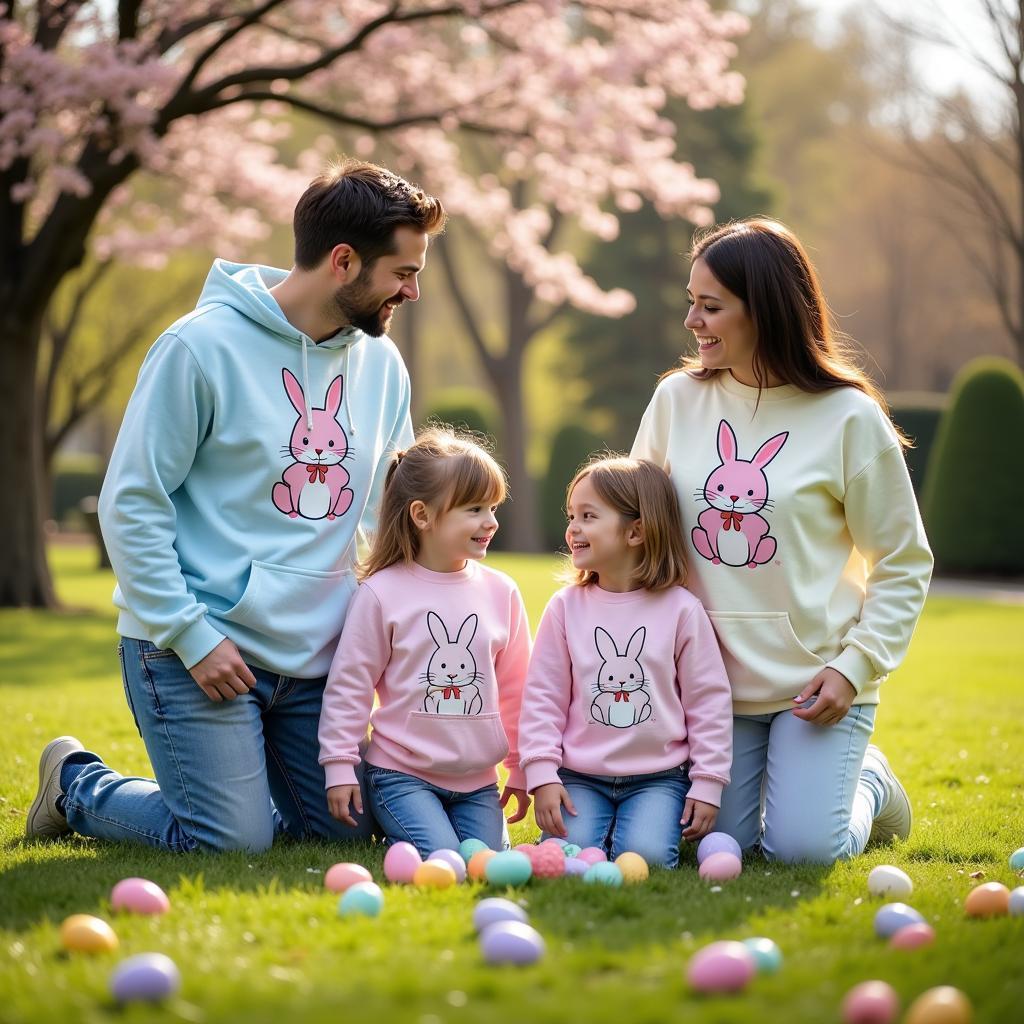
[(894, 916), (592, 855), (1016, 906), (871, 1002), (942, 1005), (434, 874), (509, 868), (717, 842), (511, 942), (1017, 860), (767, 955), (362, 899), (470, 846), (913, 936), (147, 977), (633, 867), (989, 900), (454, 860), (576, 867), (401, 862), (886, 880), (339, 877), (720, 867), (721, 967), (477, 866), (571, 850), (139, 896), (83, 933), (547, 861), (523, 848), (603, 873), (491, 911)]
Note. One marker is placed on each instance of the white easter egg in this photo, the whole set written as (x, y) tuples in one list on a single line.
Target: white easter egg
[(885, 880)]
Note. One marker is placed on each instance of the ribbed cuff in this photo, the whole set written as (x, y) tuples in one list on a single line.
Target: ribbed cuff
[(340, 773), (195, 642), (541, 773), (708, 791), (855, 665)]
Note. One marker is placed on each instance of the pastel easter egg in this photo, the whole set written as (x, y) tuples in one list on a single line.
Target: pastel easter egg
[(555, 840), (470, 846), (362, 899), (576, 867), (139, 896), (871, 1002), (989, 900), (83, 933), (523, 848), (454, 860), (720, 867), (509, 868), (886, 880), (914, 936), (147, 977), (340, 877), (603, 873), (767, 955), (942, 1005), (434, 874), (547, 861), (633, 867), (717, 842), (401, 862), (1016, 906), (495, 909), (477, 866), (592, 855), (1017, 860), (571, 850), (894, 916), (511, 942), (721, 967)]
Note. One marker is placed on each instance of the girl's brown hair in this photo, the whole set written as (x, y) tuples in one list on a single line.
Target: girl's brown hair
[(443, 469), (763, 263), (639, 490)]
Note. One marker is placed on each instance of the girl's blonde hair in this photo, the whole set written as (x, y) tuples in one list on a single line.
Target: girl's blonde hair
[(442, 468), (638, 489)]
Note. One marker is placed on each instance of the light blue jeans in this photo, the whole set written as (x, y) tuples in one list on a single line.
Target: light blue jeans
[(636, 813), (229, 775), (797, 788), (431, 818)]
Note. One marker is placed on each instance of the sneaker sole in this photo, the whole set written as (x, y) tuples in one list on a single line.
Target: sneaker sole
[(46, 829)]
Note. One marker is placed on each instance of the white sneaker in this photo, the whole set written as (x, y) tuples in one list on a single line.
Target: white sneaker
[(44, 821), (895, 817)]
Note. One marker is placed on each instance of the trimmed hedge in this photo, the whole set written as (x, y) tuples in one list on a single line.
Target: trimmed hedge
[(918, 414), (75, 477), (571, 446), (975, 482)]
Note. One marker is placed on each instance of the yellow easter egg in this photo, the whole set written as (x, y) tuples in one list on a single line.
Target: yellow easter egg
[(989, 900), (83, 933), (477, 866), (434, 874), (633, 867)]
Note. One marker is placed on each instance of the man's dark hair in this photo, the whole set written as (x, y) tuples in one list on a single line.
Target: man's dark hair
[(361, 204)]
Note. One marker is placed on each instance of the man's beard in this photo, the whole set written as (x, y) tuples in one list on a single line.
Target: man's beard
[(352, 303)]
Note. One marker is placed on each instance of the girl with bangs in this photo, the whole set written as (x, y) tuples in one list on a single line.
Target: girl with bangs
[(443, 642), (627, 715)]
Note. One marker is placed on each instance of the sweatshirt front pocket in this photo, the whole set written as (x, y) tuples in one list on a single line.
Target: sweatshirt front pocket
[(452, 744), (763, 656)]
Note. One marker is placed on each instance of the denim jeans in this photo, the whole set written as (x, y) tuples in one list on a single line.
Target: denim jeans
[(229, 775), (637, 813), (414, 811), (797, 788)]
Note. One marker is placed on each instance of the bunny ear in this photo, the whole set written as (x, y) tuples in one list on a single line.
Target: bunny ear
[(437, 629), (726, 442), (605, 644), (769, 450), (333, 403), (468, 627), (636, 643), (294, 390)]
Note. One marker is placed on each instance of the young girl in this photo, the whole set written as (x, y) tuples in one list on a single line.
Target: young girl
[(805, 542), (627, 718), (444, 643)]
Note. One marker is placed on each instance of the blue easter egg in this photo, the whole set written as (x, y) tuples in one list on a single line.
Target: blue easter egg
[(511, 942), (147, 977), (1017, 860), (491, 911), (717, 842), (509, 868), (604, 872), (894, 916), (571, 850), (766, 953), (364, 899), (1017, 901), (470, 846)]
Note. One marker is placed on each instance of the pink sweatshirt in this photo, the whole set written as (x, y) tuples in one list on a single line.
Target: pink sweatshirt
[(446, 653), (627, 684)]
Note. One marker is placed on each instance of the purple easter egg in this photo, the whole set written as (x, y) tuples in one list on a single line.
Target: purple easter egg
[(721, 967), (575, 866), (511, 942), (717, 842), (147, 977), (894, 916), (720, 867), (140, 896), (454, 860), (592, 855), (491, 911), (401, 862)]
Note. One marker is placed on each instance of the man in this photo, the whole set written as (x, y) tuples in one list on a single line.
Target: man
[(251, 455)]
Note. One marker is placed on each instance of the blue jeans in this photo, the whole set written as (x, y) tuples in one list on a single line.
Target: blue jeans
[(797, 789), (637, 813), (414, 811), (229, 775)]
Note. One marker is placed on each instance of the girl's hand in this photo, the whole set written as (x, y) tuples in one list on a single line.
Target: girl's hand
[(698, 819), (835, 695), (338, 800), (522, 802), (547, 808)]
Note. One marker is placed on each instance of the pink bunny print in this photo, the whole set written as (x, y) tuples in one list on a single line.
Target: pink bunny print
[(732, 531), (621, 698), (315, 485)]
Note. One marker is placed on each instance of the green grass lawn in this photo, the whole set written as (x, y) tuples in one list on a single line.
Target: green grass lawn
[(257, 937)]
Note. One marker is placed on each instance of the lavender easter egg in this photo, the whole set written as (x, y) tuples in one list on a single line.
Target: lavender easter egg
[(721, 967), (871, 1002), (576, 867), (470, 846), (511, 942), (894, 916), (717, 842), (340, 877), (454, 860), (592, 855), (886, 880), (491, 911), (509, 868), (942, 1005), (1016, 906), (720, 867), (767, 955), (139, 896), (401, 862), (147, 977), (363, 899), (913, 936), (603, 873), (83, 933)]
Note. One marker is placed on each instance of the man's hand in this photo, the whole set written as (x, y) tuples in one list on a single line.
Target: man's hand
[(222, 674), (522, 802), (835, 696), (338, 800), (547, 808), (698, 819)]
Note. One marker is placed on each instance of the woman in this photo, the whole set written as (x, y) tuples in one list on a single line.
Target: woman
[(805, 543)]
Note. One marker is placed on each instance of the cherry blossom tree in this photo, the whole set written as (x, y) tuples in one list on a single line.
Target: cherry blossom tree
[(564, 95)]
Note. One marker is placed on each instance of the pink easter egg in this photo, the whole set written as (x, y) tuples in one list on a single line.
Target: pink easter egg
[(592, 855), (524, 848), (340, 876), (139, 896), (720, 867), (401, 862), (721, 967), (913, 936), (548, 861), (871, 1002), (454, 860)]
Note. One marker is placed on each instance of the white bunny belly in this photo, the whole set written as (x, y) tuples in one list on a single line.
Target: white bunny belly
[(314, 501), (733, 548), (451, 706), (621, 714)]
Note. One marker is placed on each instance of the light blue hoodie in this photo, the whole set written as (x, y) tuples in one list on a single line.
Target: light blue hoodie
[(220, 517)]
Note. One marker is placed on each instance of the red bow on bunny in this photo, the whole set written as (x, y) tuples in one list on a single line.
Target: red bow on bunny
[(732, 520), (315, 471)]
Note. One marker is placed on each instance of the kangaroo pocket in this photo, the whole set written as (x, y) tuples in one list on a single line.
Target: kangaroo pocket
[(763, 656), (452, 744)]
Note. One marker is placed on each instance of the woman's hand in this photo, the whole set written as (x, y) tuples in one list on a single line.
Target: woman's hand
[(547, 808), (522, 802), (222, 674), (835, 695)]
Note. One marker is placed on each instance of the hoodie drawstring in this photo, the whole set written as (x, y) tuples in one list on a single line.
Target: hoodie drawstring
[(346, 389), (305, 385)]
